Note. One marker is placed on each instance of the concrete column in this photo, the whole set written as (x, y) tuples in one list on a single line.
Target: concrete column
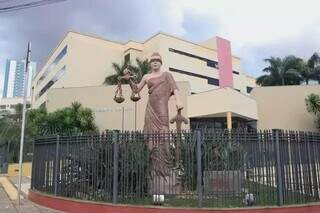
[(229, 120)]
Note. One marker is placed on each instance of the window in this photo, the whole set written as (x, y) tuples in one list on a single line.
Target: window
[(249, 89), (235, 72), (53, 64), (43, 105), (212, 81), (187, 54), (187, 73), (213, 64), (12, 106), (3, 106), (237, 90), (210, 63), (52, 81), (127, 57)]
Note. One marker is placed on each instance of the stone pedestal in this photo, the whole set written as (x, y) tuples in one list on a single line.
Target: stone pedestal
[(223, 183), (165, 185)]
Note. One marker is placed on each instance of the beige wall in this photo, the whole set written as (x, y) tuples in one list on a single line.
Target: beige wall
[(88, 62), (13, 169), (284, 107), (217, 102), (108, 113), (37, 87)]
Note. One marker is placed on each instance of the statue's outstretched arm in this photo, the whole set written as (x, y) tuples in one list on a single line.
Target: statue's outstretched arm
[(137, 87)]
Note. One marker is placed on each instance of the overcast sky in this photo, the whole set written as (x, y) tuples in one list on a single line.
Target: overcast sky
[(257, 29)]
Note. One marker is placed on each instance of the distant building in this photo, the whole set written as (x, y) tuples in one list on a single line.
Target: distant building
[(9, 104), (14, 81)]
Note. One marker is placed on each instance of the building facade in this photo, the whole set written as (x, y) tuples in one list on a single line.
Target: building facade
[(81, 60), (274, 107), (14, 80), (216, 92)]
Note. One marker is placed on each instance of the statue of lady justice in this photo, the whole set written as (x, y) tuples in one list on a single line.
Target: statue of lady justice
[(161, 87)]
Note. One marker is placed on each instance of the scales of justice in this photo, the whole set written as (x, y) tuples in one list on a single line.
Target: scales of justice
[(166, 168)]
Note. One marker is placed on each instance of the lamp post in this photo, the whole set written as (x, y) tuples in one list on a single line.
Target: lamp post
[(26, 77)]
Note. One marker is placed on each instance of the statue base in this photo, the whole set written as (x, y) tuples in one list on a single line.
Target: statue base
[(165, 185)]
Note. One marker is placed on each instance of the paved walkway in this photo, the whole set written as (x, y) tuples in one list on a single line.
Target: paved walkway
[(25, 183), (26, 206), (5, 203)]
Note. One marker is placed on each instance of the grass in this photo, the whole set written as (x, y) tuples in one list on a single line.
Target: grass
[(265, 196)]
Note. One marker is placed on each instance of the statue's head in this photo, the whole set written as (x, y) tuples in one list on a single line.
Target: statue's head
[(155, 61)]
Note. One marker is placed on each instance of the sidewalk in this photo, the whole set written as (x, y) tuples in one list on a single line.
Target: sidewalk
[(25, 183), (26, 206), (5, 203)]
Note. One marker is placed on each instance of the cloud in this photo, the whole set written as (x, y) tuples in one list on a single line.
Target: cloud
[(45, 26), (302, 45), (257, 29)]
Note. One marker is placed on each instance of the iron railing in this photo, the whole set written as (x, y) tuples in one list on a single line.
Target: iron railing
[(4, 157), (216, 168)]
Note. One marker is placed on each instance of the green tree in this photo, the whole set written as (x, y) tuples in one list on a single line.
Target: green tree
[(10, 133), (69, 120), (313, 106), (281, 71), (310, 70)]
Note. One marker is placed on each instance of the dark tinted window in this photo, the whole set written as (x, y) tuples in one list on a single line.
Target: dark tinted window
[(249, 89), (213, 64), (53, 64), (235, 72), (52, 81), (127, 57), (210, 63), (213, 81)]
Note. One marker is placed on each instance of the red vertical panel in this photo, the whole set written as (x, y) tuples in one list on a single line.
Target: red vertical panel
[(225, 63)]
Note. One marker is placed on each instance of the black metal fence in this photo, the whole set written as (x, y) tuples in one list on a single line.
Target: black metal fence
[(4, 157), (212, 169)]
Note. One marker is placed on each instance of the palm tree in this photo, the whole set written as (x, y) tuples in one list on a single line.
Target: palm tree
[(118, 68), (313, 106), (313, 103), (310, 70), (142, 68), (281, 71)]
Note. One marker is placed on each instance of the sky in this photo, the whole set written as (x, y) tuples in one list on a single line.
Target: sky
[(257, 29)]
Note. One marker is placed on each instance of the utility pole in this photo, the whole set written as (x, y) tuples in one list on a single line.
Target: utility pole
[(26, 77)]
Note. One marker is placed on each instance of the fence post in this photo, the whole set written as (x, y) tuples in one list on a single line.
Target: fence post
[(7, 157), (115, 136), (57, 165), (278, 166), (199, 170), (312, 181), (33, 168)]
